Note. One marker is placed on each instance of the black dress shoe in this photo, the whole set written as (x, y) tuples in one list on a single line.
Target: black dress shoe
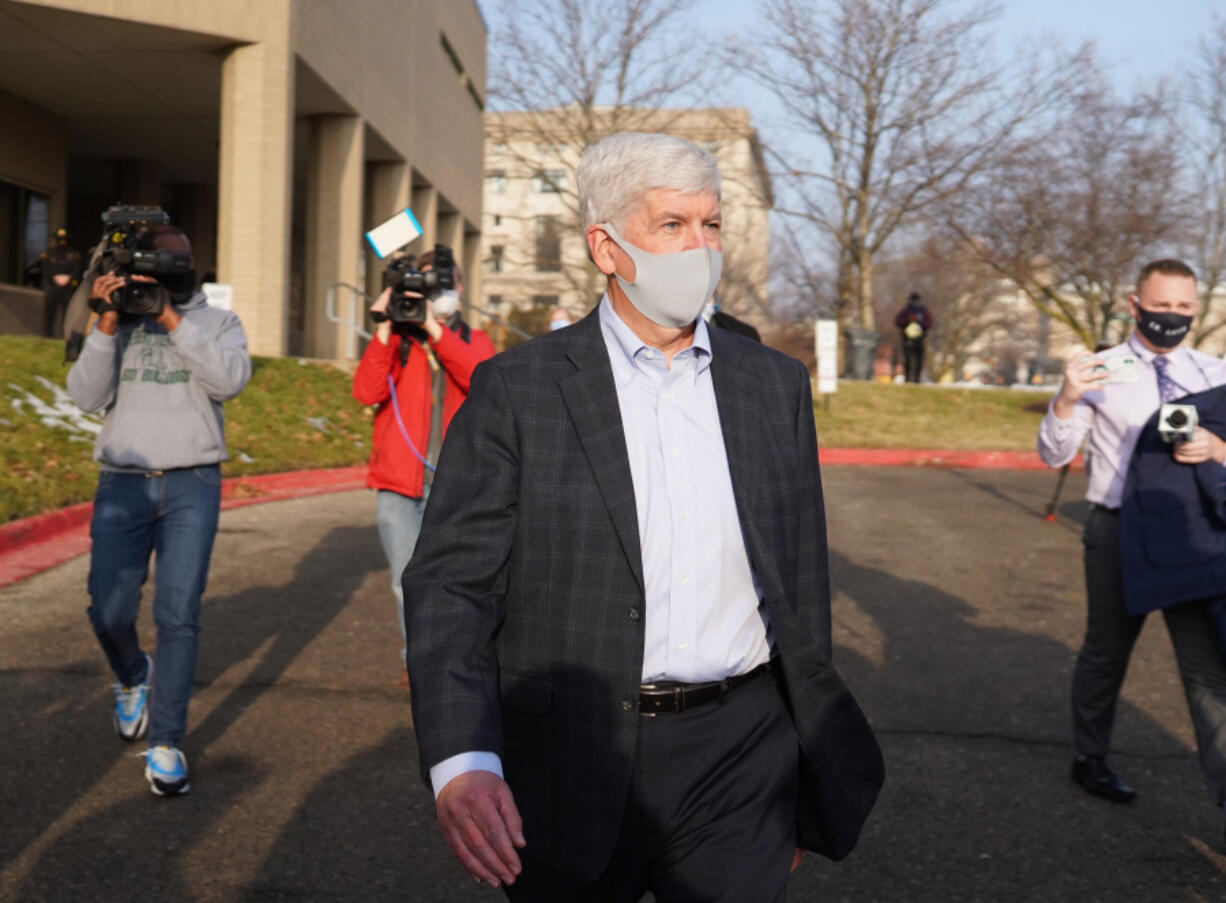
[(1095, 777)]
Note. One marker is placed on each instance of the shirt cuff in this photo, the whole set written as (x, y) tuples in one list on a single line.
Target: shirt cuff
[(463, 763)]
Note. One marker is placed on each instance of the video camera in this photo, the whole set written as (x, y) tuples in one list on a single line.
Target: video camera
[(1177, 422), (122, 226), (402, 276)]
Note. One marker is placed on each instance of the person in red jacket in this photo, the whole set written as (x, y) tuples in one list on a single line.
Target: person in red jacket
[(430, 366)]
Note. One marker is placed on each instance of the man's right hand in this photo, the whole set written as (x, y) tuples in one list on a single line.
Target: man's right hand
[(480, 823), (104, 287), (1080, 377)]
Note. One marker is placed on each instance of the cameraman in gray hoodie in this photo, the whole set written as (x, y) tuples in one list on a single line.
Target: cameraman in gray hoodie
[(161, 379)]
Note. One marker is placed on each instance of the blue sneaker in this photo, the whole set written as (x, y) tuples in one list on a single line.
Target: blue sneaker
[(132, 707), (166, 771)]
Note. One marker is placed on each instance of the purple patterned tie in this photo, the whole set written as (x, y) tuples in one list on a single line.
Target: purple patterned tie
[(1168, 390)]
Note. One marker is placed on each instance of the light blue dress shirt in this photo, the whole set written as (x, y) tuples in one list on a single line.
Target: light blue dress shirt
[(1114, 415), (703, 618)]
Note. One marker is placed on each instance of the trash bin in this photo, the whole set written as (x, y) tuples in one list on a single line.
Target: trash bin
[(861, 349)]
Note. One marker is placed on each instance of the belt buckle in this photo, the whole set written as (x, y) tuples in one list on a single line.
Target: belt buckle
[(678, 699), (150, 474)]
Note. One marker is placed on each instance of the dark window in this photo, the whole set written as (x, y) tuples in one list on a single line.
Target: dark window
[(495, 258), (548, 244), (498, 181), (497, 219), (495, 302), (24, 229), (544, 301)]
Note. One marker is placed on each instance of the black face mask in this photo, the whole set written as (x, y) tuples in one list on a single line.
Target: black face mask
[(1163, 330)]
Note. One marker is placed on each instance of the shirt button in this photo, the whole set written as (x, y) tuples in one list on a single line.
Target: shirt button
[(627, 705), (683, 647), (650, 355), (634, 614), (664, 395), (675, 453), (685, 515), (685, 581)]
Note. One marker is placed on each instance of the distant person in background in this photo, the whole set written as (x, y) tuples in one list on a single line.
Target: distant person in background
[(61, 267), (559, 318), (913, 321), (721, 320)]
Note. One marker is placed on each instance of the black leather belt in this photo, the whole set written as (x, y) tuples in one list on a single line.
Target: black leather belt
[(1105, 508), (671, 696)]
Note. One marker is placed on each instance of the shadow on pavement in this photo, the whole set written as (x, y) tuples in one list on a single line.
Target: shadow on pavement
[(978, 794), (288, 617), (139, 846)]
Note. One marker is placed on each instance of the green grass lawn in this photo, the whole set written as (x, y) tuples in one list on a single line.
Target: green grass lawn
[(293, 415), (876, 415), (299, 415)]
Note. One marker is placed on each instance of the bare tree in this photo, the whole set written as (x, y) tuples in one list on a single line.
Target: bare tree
[(567, 73), (1069, 215), (1207, 105), (895, 106)]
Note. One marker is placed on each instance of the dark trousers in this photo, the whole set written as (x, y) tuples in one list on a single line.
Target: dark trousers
[(55, 302), (912, 359), (1110, 634), (711, 814)]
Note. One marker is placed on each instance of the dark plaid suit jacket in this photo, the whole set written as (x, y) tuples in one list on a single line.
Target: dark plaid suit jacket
[(524, 598)]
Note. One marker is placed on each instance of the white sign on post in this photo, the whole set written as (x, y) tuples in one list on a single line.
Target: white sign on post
[(826, 341), (219, 294)]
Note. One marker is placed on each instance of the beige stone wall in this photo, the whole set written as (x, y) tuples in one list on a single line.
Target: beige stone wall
[(407, 75)]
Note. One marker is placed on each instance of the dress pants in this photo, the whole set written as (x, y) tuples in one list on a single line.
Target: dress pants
[(711, 813), (1110, 634)]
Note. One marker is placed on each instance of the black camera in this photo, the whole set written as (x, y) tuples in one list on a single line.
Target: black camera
[(402, 275), (122, 227)]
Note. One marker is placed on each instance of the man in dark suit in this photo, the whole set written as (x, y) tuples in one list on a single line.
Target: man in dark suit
[(618, 611)]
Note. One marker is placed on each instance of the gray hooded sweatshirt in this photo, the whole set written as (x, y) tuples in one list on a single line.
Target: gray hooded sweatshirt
[(162, 391)]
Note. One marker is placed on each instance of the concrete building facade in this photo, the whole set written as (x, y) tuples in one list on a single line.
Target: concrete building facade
[(534, 251), (273, 132)]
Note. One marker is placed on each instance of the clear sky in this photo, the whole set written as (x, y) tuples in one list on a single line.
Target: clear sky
[(1138, 39)]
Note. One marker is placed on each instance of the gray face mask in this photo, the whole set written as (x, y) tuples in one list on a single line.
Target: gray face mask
[(445, 304), (669, 289)]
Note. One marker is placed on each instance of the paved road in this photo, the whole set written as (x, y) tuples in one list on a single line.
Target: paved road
[(957, 615)]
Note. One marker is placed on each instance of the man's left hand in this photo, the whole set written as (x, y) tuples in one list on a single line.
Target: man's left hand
[(1203, 446)]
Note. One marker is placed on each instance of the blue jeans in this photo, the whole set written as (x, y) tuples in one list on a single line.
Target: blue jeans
[(399, 526), (175, 515)]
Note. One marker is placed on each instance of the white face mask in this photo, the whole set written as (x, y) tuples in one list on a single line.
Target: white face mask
[(555, 325), (669, 289), (445, 304)]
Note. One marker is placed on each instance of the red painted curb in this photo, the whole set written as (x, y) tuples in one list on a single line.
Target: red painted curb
[(34, 544), (927, 457)]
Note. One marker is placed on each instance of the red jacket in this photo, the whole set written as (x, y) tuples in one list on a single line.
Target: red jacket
[(392, 463)]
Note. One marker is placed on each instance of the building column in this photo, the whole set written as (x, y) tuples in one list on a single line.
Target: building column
[(425, 208), (334, 232), (390, 191), (473, 269), (255, 182)]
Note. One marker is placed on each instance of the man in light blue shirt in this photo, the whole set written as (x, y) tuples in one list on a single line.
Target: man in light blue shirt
[(618, 613)]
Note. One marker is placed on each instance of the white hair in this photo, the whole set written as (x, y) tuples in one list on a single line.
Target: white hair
[(615, 173)]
